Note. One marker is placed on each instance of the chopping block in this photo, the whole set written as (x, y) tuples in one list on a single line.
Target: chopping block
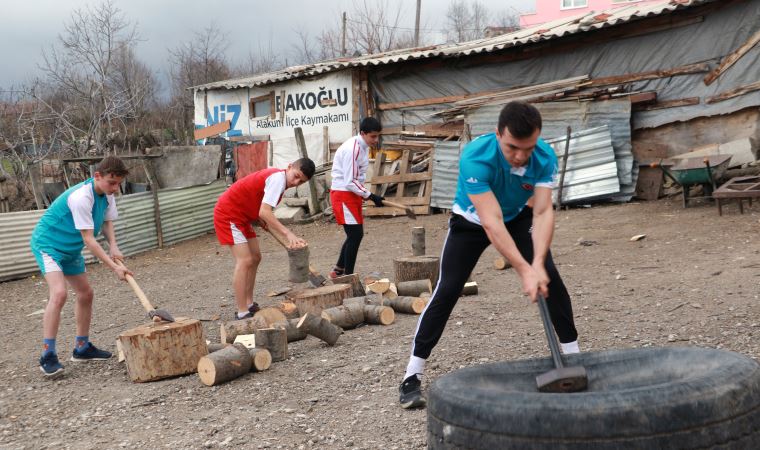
[(163, 349)]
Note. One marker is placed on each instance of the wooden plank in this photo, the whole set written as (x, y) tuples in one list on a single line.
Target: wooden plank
[(402, 172), (249, 138), (668, 104), (301, 144), (741, 90), (425, 101), (401, 177), (325, 144), (282, 106), (213, 130), (651, 75), (384, 186), (408, 144), (154, 187), (731, 58), (643, 97), (429, 129), (388, 211)]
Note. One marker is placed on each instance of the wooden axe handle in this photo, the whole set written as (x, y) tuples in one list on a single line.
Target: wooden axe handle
[(138, 292)]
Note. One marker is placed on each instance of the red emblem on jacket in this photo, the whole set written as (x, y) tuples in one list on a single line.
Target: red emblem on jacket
[(527, 187)]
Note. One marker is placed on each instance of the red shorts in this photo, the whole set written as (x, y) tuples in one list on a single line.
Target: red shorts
[(231, 231), (347, 207)]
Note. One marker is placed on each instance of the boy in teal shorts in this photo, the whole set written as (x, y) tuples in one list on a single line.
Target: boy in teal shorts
[(70, 224)]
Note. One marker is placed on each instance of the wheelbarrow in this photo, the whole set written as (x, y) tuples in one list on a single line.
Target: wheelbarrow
[(689, 172)]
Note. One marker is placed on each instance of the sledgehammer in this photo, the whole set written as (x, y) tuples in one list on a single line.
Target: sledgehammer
[(561, 378)]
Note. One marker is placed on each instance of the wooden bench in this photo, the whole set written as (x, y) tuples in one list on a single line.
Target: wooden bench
[(737, 188)]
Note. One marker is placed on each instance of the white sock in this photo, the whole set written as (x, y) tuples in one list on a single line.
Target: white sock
[(416, 366), (241, 314), (570, 348)]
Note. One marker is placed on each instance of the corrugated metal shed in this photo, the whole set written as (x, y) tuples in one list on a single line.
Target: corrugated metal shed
[(185, 213), (538, 33), (445, 173)]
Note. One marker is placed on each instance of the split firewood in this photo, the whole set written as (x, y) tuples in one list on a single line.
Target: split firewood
[(265, 317), (353, 279), (500, 263), (379, 315), (230, 330), (470, 288), (261, 359), (413, 288), (320, 328), (291, 328), (371, 278), (379, 286), (216, 346), (275, 340), (289, 309), (226, 364), (345, 316), (392, 292)]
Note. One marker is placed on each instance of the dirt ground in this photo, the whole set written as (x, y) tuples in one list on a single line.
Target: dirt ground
[(693, 281)]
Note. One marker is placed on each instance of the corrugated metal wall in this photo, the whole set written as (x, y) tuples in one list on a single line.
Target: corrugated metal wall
[(445, 173), (185, 213)]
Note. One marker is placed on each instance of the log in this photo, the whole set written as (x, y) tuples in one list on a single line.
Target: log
[(265, 317), (418, 241), (501, 263), (261, 359), (215, 347), (151, 351), (470, 288), (275, 340), (413, 288), (298, 260), (379, 315), (289, 309), (425, 295), (416, 268), (313, 301), (228, 331), (357, 288), (291, 328), (345, 316), (371, 278), (392, 292), (224, 365), (320, 328), (379, 286), (407, 305)]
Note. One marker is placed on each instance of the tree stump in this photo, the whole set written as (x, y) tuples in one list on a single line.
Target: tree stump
[(265, 317), (413, 288), (223, 365), (418, 241), (261, 359), (313, 301), (298, 260), (228, 331), (353, 279), (501, 263), (470, 288), (163, 349), (416, 268), (379, 315), (291, 328), (289, 309), (345, 316), (320, 328), (275, 340)]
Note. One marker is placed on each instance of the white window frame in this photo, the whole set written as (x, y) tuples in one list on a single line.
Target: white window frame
[(625, 1), (574, 6)]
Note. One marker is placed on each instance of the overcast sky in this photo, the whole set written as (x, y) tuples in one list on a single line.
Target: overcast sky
[(31, 25)]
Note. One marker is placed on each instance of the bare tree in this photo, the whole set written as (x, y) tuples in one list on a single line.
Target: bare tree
[(466, 20), (265, 59)]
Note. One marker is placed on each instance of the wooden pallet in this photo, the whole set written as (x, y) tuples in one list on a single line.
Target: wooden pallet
[(403, 180)]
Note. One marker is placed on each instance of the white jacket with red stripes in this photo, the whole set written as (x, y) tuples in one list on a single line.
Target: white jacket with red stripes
[(349, 168)]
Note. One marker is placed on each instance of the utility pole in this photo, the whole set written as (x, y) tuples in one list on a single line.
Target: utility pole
[(343, 45), (417, 25)]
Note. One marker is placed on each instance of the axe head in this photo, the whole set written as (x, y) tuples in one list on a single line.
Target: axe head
[(315, 278), (563, 379), (161, 314)]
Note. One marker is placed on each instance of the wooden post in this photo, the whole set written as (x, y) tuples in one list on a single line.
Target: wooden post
[(413, 288), (34, 178), (353, 279), (320, 328), (379, 315), (152, 351), (275, 340), (564, 168), (325, 144), (224, 365), (418, 241), (314, 206), (315, 300), (154, 187), (298, 261), (416, 268), (291, 328), (345, 316)]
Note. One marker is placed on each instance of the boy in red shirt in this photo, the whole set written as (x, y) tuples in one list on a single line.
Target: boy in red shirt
[(253, 199)]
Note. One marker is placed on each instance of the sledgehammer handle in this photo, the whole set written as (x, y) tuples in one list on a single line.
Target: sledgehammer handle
[(549, 330)]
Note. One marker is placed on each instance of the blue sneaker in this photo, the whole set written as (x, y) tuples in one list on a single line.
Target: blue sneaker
[(50, 366), (90, 353)]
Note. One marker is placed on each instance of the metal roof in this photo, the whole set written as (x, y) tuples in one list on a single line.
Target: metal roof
[(537, 33)]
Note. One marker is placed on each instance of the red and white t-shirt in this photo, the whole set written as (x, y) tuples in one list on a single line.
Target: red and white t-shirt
[(242, 201)]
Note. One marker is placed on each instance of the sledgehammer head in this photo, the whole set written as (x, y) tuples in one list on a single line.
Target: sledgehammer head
[(563, 379)]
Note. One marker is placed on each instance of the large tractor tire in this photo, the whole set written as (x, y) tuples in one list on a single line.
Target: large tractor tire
[(653, 398)]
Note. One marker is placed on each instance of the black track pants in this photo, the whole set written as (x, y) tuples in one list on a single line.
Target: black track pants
[(347, 258), (464, 244)]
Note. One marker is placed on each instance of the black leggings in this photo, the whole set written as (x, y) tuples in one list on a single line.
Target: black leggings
[(464, 244), (347, 258)]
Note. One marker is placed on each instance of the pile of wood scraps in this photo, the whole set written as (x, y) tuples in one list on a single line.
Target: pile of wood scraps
[(408, 181)]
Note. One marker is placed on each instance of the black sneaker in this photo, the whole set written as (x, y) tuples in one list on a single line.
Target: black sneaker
[(90, 353), (253, 308), (410, 394), (50, 366)]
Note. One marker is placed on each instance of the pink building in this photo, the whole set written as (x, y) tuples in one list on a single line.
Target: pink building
[(548, 10)]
